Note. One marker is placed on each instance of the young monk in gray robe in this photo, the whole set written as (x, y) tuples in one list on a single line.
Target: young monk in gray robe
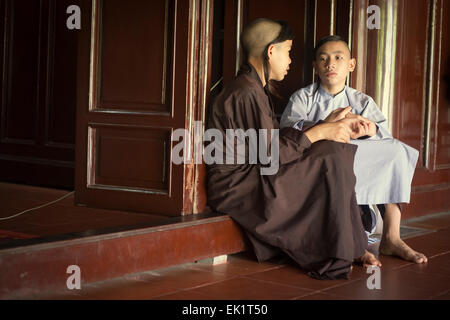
[(307, 207), (384, 167)]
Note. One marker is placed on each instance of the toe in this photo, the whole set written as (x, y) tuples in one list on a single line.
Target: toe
[(419, 258), (424, 258)]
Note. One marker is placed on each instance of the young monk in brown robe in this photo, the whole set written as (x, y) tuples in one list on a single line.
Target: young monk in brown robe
[(307, 209)]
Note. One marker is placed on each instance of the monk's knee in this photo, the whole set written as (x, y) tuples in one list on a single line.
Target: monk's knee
[(333, 149), (396, 151)]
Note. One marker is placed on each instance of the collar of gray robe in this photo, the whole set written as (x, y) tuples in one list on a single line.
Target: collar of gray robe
[(325, 93)]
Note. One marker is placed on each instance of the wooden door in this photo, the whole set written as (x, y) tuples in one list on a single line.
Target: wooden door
[(422, 110), (139, 79), (38, 57), (403, 69)]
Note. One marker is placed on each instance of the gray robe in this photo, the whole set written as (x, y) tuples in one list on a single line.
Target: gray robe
[(384, 167)]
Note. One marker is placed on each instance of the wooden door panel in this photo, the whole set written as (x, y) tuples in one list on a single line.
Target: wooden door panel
[(136, 84), (62, 80), (129, 157), (142, 30), (442, 115), (37, 99), (410, 107), (21, 67), (420, 114)]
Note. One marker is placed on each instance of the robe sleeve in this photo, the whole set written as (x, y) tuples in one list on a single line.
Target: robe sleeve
[(373, 113), (292, 144)]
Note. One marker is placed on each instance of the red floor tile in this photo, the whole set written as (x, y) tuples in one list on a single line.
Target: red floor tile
[(184, 295), (148, 285), (443, 296), (294, 276), (395, 284), (181, 277), (392, 262), (435, 222), (437, 265), (321, 296), (123, 290), (431, 244), (242, 288)]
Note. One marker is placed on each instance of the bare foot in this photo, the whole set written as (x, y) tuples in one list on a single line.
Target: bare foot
[(399, 248), (368, 259)]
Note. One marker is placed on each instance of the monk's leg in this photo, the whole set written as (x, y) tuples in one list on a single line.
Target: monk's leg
[(391, 243)]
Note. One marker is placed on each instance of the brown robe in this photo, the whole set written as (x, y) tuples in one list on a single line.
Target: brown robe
[(307, 209)]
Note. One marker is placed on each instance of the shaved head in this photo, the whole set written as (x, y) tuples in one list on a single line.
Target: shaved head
[(258, 34), (266, 45), (332, 38)]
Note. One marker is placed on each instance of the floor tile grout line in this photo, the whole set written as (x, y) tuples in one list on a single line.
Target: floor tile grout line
[(248, 276), (331, 287), (184, 267), (92, 295), (412, 263), (439, 254), (269, 268), (351, 281), (127, 278), (304, 295), (429, 216), (168, 294), (332, 296), (149, 281), (240, 276), (403, 266), (311, 291), (244, 274), (278, 283), (210, 283), (199, 286), (439, 295)]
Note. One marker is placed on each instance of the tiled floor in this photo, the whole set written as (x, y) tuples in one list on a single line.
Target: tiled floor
[(241, 277)]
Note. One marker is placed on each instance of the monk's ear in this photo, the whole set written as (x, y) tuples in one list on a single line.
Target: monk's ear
[(270, 51), (352, 65)]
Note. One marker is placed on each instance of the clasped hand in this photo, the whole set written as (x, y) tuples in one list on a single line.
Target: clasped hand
[(341, 126), (358, 125)]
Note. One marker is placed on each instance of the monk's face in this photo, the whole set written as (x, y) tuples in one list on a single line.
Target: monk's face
[(279, 60), (333, 63)]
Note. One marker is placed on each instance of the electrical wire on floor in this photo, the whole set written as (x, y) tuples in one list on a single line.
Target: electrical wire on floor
[(42, 206)]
